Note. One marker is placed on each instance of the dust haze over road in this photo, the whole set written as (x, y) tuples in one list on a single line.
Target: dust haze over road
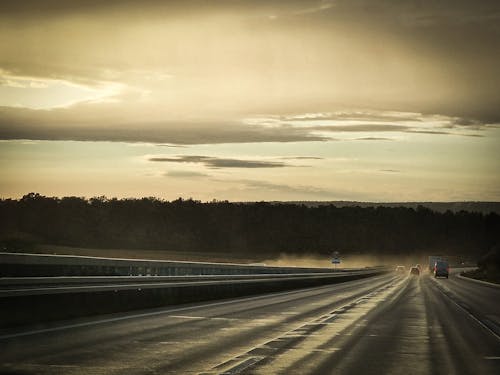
[(347, 260)]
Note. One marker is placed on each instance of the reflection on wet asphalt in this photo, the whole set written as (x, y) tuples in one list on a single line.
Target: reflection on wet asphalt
[(382, 325)]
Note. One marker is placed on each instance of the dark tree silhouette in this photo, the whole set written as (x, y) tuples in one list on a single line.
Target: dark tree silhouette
[(258, 228)]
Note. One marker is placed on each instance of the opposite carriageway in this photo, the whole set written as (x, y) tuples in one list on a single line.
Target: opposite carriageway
[(51, 291), (25, 265)]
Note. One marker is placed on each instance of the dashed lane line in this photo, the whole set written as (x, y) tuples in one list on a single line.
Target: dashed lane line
[(258, 353)]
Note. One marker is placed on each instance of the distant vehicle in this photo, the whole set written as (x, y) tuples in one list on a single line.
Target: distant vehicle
[(441, 268), (414, 271), (432, 261), (400, 269), (443, 258)]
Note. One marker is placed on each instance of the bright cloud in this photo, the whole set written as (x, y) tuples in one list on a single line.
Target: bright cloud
[(47, 93), (244, 95)]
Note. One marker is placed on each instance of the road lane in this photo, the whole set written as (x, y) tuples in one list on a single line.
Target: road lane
[(382, 325), (414, 328), (481, 300), (178, 340)]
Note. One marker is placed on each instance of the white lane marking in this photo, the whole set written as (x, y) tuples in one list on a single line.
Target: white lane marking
[(332, 350), (243, 365), (491, 357), (298, 331), (187, 317), (225, 319), (480, 282), (162, 312)]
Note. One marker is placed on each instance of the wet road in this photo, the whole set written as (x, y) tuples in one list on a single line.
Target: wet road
[(382, 325)]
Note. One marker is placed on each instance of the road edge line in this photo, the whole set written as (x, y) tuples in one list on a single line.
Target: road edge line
[(486, 283), (469, 313)]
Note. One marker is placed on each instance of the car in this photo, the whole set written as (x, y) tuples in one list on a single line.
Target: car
[(441, 269), (414, 271), (400, 269)]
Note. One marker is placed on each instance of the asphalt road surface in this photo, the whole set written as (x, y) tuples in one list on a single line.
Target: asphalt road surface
[(387, 324)]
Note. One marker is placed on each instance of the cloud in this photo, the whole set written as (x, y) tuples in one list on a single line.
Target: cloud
[(172, 146), (425, 43), (286, 188), (185, 174), (46, 92), (436, 132), (93, 122), (297, 68), (295, 191), (217, 163), (262, 66), (355, 115), (372, 121), (428, 132), (361, 128), (473, 135), (301, 158), (86, 122), (319, 7), (373, 139)]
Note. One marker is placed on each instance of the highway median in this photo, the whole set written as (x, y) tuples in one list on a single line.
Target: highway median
[(32, 300)]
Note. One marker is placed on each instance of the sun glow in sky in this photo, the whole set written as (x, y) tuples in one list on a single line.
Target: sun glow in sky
[(39, 93), (251, 100)]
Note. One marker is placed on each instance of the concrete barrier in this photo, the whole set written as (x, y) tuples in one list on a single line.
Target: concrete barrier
[(29, 308), (11, 283)]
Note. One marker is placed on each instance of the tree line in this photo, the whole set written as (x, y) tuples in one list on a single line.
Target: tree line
[(259, 228)]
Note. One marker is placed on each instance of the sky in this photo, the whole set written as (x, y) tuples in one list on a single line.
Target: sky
[(251, 100)]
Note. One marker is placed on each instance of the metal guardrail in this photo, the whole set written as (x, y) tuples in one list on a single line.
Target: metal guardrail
[(71, 280), (51, 285)]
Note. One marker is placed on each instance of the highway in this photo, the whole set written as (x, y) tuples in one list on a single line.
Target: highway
[(386, 324)]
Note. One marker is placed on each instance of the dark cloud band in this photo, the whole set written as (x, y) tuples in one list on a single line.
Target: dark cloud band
[(217, 163)]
